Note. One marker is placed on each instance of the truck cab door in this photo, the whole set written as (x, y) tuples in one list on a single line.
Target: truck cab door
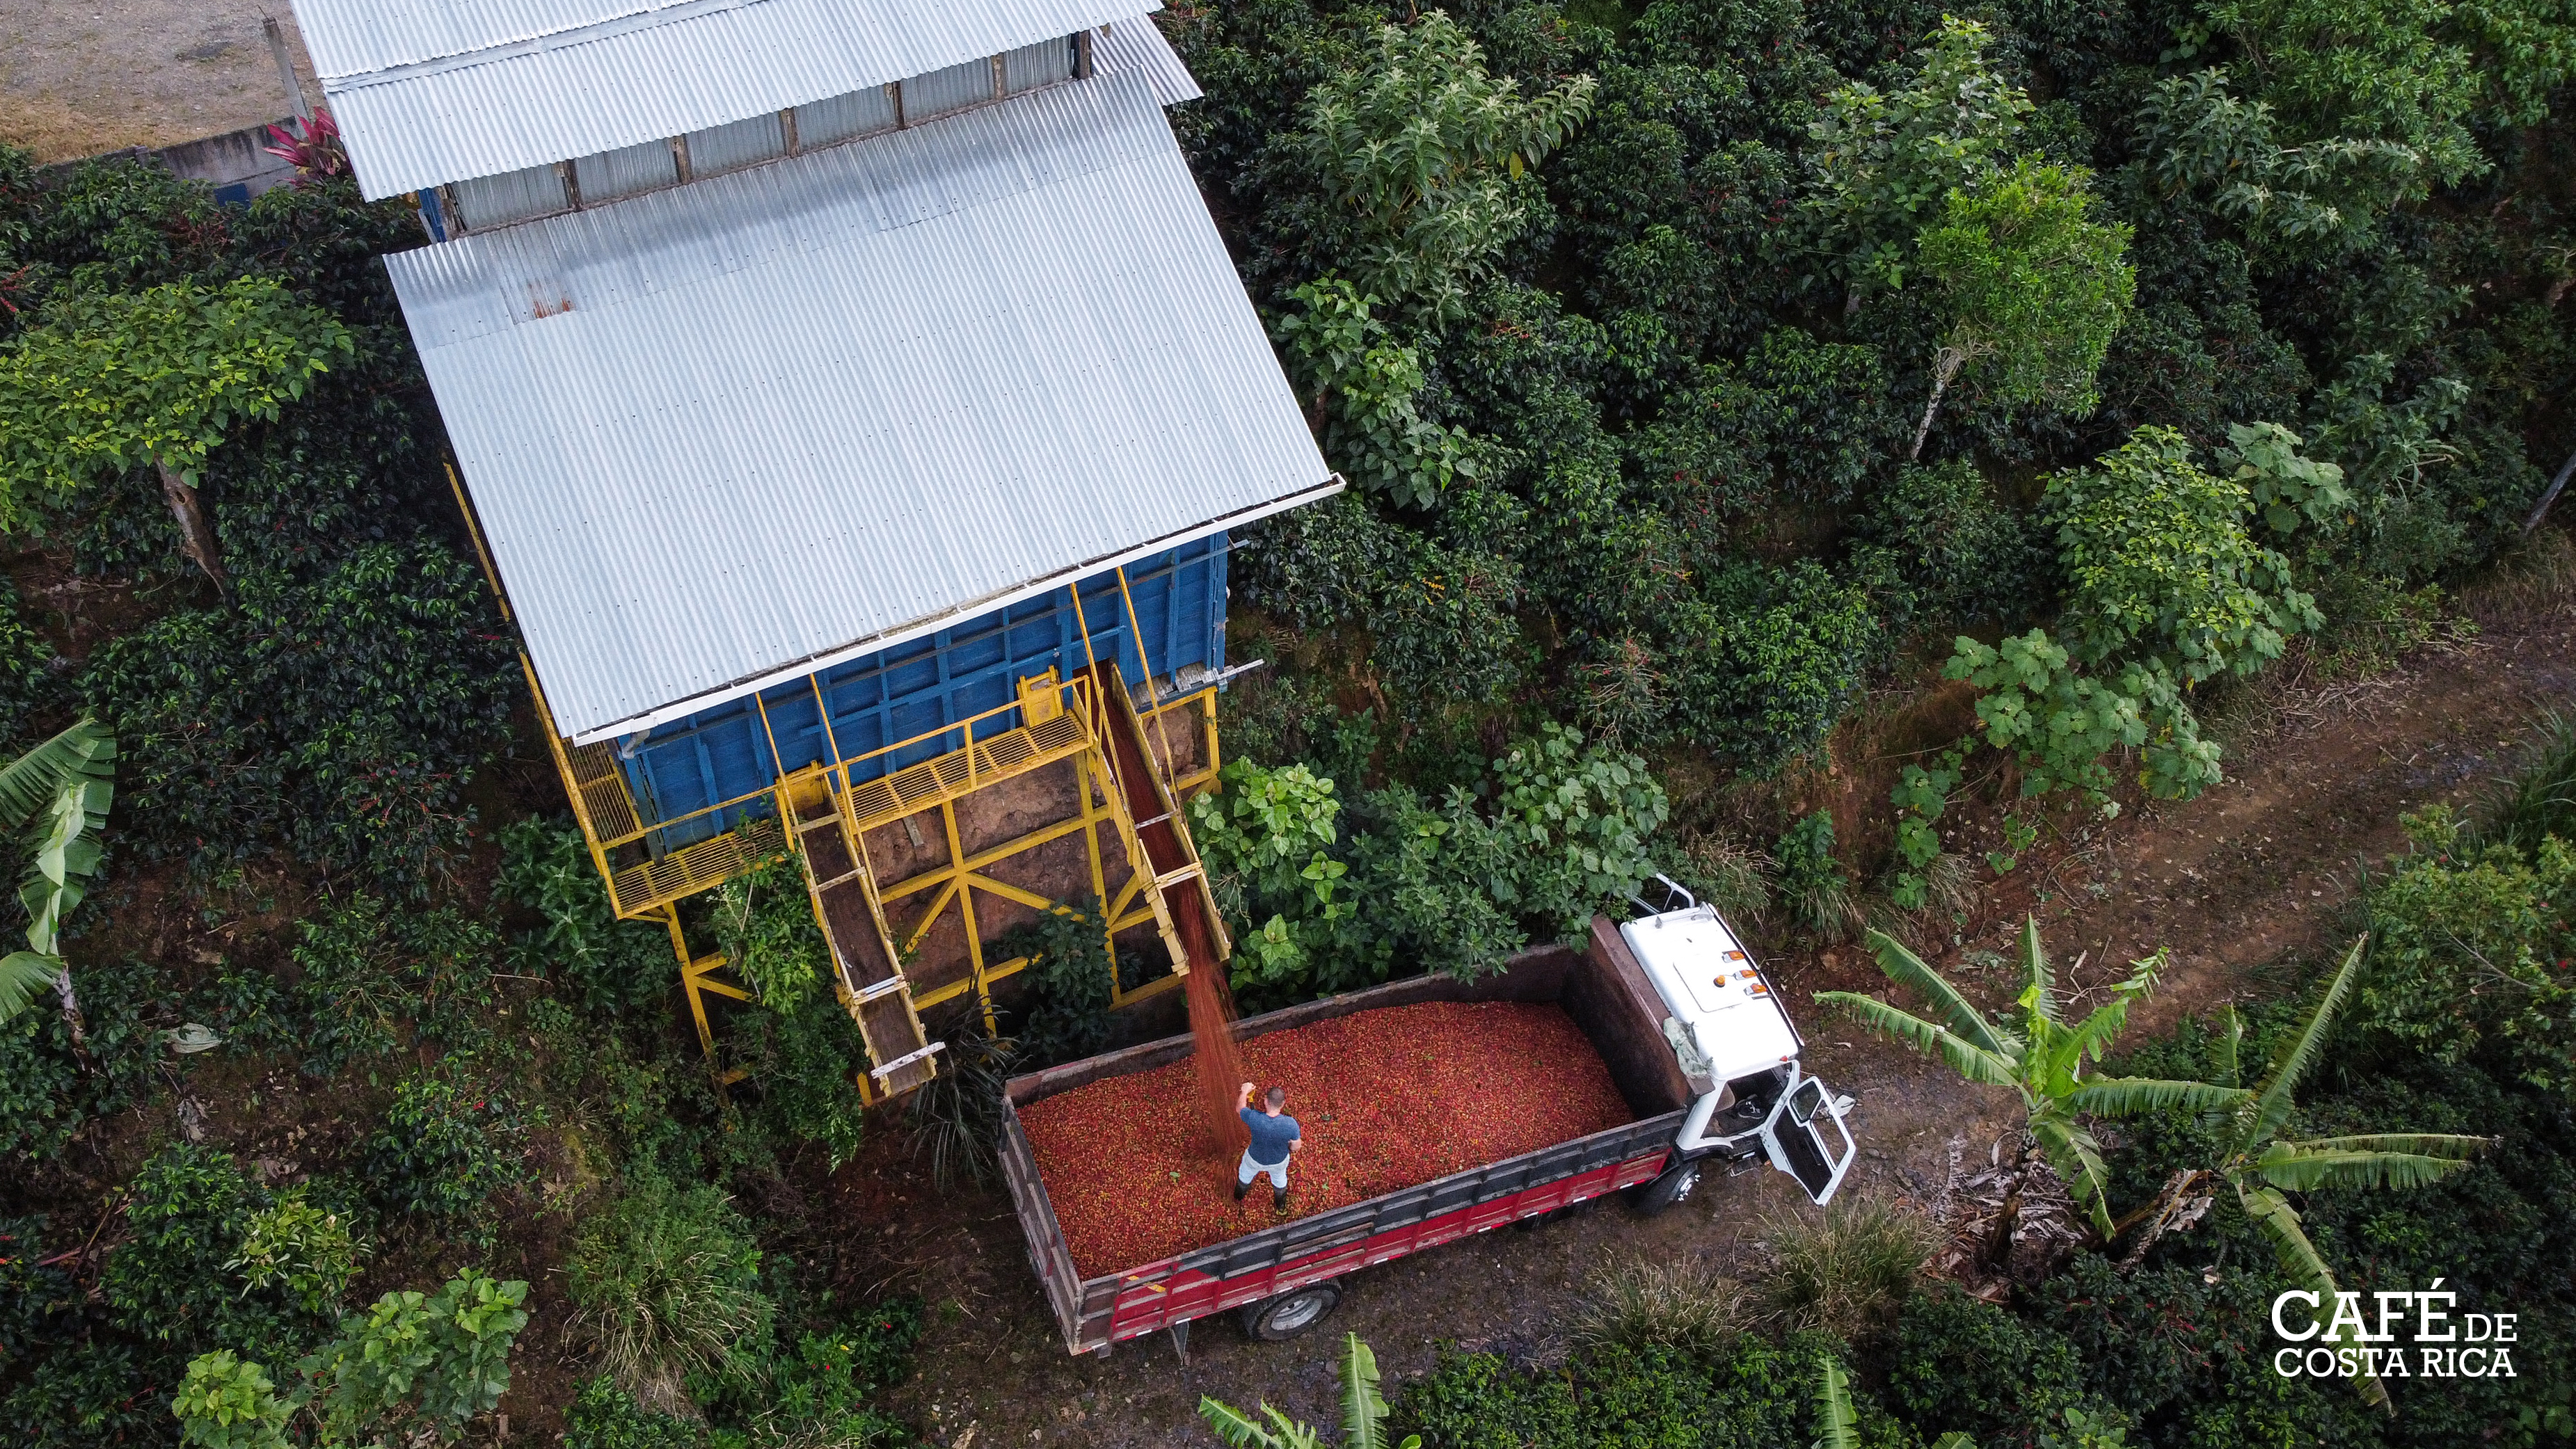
[(1805, 1137)]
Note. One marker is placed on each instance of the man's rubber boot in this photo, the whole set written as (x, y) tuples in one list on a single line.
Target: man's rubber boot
[(1278, 1199), (1240, 1189)]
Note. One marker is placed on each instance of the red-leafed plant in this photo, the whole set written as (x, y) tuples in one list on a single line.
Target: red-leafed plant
[(313, 145)]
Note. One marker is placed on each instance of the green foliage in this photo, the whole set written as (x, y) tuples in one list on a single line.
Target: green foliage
[(765, 922), (50, 1086), (62, 788), (426, 1363), (113, 380), (444, 1148), (2030, 288), (1366, 388), (226, 1403), (2286, 488), (1847, 1271), (1574, 822), (1921, 795), (2037, 1053), (1757, 1393), (805, 1048), (667, 1281), (1885, 164), (1417, 147), (301, 1248), (2255, 1158), (820, 1389), (415, 1368), (604, 1416), (1648, 1302), (1939, 547), (30, 692), (1066, 1015), (1364, 1412), (340, 719), (611, 964), (1810, 883), (1452, 884), (1764, 660), (2061, 722), (375, 976), (2160, 566), (2326, 194), (2469, 954), (2386, 70), (187, 1212), (1439, 616)]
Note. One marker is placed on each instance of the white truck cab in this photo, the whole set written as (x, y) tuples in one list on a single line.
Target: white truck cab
[(1730, 1030)]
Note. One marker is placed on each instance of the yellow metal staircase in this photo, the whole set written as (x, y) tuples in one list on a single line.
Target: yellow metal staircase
[(869, 976)]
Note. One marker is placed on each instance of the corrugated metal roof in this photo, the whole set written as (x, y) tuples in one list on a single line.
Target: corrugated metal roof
[(434, 91), (763, 421), (1138, 46)]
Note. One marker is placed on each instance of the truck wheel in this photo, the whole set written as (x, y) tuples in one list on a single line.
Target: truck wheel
[(1291, 1313), (1664, 1191)]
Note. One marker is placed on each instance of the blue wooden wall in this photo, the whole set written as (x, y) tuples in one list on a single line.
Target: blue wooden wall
[(912, 689)]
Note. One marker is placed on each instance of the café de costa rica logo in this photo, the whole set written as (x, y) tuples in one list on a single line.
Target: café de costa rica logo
[(2349, 1339)]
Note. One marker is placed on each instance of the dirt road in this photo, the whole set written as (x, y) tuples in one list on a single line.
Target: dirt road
[(78, 77), (2238, 883)]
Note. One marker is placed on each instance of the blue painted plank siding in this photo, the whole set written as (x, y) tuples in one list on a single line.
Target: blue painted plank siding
[(912, 689)]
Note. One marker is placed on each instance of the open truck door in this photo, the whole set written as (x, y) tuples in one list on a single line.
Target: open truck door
[(1731, 1033), (1805, 1137)]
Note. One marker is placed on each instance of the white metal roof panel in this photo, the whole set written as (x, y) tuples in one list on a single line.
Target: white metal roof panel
[(741, 428), (433, 91)]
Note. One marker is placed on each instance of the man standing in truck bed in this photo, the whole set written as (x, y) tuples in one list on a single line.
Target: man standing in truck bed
[(1275, 1139)]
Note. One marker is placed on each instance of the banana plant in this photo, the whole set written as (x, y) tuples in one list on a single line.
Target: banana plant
[(64, 786), (2259, 1164), (1363, 1413), (2039, 1055), (1842, 1426)]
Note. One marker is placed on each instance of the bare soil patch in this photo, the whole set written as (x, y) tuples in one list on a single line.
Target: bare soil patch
[(78, 77)]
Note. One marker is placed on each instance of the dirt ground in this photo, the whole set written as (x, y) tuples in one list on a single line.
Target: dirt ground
[(2241, 885), (78, 77)]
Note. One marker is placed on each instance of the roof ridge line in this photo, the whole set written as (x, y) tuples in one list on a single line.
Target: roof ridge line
[(645, 16)]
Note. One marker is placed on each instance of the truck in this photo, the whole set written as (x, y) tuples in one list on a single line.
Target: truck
[(1692, 1031)]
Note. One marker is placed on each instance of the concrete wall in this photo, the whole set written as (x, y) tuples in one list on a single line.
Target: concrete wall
[(234, 163)]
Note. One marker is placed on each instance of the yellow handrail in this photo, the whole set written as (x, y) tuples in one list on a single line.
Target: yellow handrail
[(842, 769)]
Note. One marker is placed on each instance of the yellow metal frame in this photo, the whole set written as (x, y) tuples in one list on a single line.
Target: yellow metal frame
[(652, 889)]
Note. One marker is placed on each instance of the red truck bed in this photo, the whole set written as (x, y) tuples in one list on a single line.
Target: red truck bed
[(1601, 990)]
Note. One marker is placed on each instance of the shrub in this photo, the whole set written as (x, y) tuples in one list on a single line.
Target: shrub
[(667, 1281), (1757, 1393), (445, 1147), (819, 1392), (2160, 567), (2471, 952), (610, 964), (374, 976), (765, 922), (1971, 1366), (1575, 819), (1810, 883), (187, 1211), (48, 1089), (341, 719), (604, 1416), (1649, 1302), (1849, 1270), (2539, 799), (1764, 659), (301, 1248), (1938, 546), (1065, 1015)]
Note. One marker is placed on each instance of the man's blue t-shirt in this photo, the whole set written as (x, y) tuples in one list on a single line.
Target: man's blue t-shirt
[(1270, 1135)]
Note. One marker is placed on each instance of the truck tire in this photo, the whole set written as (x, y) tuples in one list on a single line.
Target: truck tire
[(1290, 1313), (1675, 1185)]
